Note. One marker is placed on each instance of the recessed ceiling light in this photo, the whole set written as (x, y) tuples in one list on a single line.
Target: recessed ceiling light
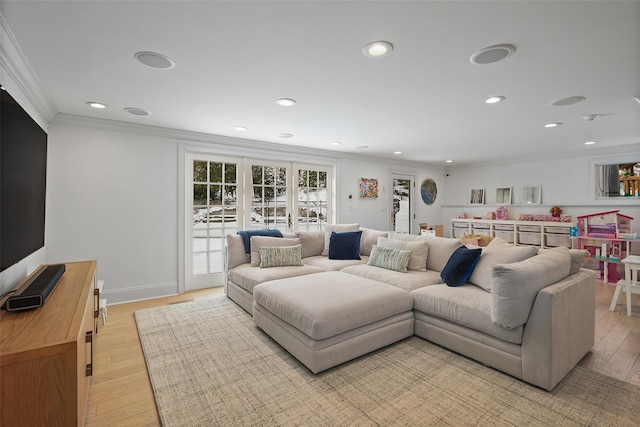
[(377, 49), (336, 143), (98, 105), (154, 60), (552, 125), (2, 88), (494, 99), (362, 147), (397, 152), (240, 128), (285, 102), (492, 54), (568, 101), (589, 143), (285, 135), (137, 111), (448, 161)]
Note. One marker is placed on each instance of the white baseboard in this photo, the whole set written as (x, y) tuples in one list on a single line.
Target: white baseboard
[(139, 293)]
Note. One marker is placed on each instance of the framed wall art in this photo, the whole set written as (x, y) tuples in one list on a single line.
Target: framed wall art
[(428, 191), (531, 195), (368, 188), (503, 196), (477, 196)]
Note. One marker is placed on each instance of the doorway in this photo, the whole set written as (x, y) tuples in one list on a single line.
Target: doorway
[(402, 215)]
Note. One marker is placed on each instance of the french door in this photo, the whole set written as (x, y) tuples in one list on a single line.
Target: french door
[(214, 205), (227, 194)]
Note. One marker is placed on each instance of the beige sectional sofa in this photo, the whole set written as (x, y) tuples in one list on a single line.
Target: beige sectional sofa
[(528, 313)]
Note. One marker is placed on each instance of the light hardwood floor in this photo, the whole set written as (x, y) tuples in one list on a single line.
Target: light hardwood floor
[(120, 392)]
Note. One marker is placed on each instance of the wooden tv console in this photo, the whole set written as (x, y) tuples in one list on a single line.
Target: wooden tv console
[(46, 354)]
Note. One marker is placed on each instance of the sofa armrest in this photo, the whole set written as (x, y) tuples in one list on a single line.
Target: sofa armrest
[(560, 329)]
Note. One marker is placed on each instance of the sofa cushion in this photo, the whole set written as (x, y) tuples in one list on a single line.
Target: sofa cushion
[(338, 228), (334, 264), (370, 238), (389, 258), (345, 245), (312, 242), (440, 248), (311, 304), (460, 266), (248, 277), (281, 256), (407, 281), (515, 286), (498, 254), (235, 251), (578, 257), (419, 251), (258, 241), (466, 305)]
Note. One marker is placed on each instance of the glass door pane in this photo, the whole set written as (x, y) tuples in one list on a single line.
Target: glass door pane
[(313, 197), (270, 202), (214, 208)]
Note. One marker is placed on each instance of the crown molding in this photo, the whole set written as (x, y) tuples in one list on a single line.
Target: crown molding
[(226, 141), (17, 69)]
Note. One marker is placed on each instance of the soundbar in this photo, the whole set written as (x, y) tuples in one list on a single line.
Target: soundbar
[(36, 293)]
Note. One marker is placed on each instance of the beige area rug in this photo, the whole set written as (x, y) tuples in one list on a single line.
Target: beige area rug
[(210, 366)]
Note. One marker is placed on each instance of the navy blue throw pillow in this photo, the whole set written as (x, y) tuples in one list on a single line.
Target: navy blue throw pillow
[(460, 266), (345, 245)]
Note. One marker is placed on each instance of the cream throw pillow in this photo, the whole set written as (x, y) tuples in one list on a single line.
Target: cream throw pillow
[(419, 251), (258, 241), (369, 238), (440, 248), (500, 252)]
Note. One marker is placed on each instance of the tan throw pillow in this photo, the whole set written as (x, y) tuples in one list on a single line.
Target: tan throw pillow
[(498, 254), (258, 241), (419, 251), (338, 228)]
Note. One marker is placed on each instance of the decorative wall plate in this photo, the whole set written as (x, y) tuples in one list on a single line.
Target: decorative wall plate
[(428, 191)]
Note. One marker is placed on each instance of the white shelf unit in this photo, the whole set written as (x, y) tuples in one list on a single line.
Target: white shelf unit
[(544, 234)]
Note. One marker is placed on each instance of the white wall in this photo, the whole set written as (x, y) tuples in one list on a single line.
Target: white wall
[(113, 196), (566, 182), (376, 213)]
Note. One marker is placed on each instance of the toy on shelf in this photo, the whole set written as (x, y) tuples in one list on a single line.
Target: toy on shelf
[(605, 235), (606, 225)]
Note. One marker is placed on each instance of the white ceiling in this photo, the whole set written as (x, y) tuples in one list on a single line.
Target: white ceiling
[(234, 59)]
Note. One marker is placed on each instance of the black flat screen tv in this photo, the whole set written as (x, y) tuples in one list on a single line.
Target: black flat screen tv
[(23, 183)]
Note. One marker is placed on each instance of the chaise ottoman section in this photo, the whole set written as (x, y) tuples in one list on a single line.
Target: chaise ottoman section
[(329, 318)]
